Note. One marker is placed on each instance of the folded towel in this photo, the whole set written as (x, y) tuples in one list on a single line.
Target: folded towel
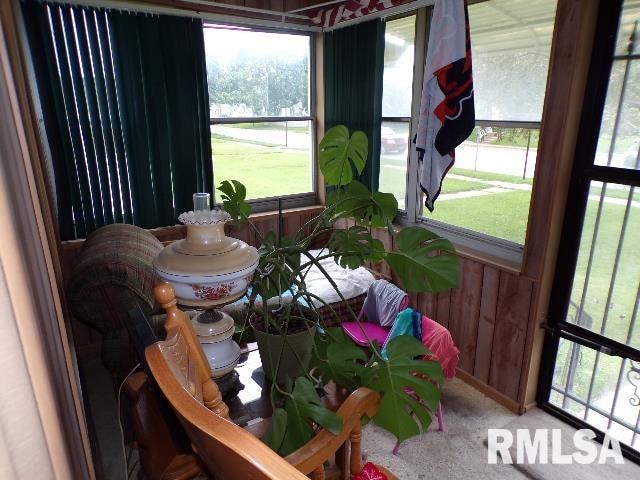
[(407, 323), (384, 302), (443, 349)]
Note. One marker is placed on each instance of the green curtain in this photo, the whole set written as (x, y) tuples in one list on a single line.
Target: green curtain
[(354, 64), (125, 109)]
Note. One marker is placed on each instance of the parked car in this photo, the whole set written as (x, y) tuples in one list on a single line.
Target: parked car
[(392, 142)]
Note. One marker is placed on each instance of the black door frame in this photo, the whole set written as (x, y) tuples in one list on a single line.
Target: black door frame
[(584, 171)]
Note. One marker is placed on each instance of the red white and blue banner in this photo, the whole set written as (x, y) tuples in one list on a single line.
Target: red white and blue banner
[(447, 114)]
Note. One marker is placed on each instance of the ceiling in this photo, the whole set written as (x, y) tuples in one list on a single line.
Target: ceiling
[(291, 11)]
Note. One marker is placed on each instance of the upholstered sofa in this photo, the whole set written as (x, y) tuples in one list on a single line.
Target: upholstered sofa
[(114, 274)]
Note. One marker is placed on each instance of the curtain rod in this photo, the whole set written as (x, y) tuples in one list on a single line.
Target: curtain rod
[(228, 19), (407, 7)]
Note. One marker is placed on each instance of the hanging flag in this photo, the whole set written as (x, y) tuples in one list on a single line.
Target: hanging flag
[(447, 115)]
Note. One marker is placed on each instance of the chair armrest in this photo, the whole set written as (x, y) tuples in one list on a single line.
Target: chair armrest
[(315, 452)]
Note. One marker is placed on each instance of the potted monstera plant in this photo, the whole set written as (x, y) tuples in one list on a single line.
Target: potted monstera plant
[(423, 261)]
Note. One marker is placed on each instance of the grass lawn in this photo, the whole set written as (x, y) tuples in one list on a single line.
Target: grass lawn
[(454, 185), (616, 192), (502, 215), (490, 176), (393, 180), (627, 275), (266, 171), (622, 298)]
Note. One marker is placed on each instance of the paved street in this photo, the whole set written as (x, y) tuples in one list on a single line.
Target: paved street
[(276, 137)]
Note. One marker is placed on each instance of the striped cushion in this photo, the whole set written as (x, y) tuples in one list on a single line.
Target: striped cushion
[(113, 275)]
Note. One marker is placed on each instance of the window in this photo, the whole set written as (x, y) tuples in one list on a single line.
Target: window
[(489, 189), (397, 83), (485, 198), (261, 112)]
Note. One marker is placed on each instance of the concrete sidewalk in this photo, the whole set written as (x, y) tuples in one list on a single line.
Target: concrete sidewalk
[(498, 186)]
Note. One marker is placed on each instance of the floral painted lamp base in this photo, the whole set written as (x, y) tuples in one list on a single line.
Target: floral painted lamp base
[(207, 270)]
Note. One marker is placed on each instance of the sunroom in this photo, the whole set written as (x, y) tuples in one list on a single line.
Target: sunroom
[(326, 239)]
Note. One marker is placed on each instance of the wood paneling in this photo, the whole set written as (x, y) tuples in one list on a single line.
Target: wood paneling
[(443, 307), (509, 336), (464, 312), (427, 304), (386, 239), (486, 323)]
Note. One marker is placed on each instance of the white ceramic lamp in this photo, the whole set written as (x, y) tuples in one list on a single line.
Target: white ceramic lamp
[(207, 270)]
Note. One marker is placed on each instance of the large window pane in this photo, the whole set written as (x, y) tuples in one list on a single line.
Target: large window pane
[(254, 74), (511, 41), (394, 138), (489, 188), (399, 39), (270, 159)]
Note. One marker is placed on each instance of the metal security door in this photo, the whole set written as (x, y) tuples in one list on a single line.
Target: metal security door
[(591, 360)]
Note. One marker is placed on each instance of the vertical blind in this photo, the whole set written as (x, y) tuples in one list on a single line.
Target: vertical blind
[(125, 110), (354, 66)]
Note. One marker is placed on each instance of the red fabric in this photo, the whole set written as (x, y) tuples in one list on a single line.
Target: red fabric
[(370, 472), (438, 339)]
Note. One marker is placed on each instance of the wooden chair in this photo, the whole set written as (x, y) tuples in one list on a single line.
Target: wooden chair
[(229, 452)]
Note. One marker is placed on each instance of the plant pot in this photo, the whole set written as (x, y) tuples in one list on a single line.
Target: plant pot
[(292, 347)]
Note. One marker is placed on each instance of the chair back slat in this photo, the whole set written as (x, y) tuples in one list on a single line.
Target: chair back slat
[(177, 319)]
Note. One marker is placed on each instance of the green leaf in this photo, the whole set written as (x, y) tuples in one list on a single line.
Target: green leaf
[(340, 155), (424, 261), (234, 196), (336, 358), (302, 406), (352, 247), (276, 265), (370, 209), (400, 412), (277, 428)]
